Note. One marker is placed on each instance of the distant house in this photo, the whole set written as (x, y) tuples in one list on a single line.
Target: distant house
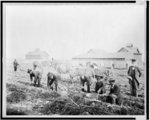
[(120, 59), (37, 54), (136, 54)]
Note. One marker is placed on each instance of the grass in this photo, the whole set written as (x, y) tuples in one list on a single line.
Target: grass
[(47, 94), (16, 96), (66, 107), (43, 101)]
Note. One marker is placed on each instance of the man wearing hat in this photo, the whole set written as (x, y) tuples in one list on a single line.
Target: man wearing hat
[(100, 85), (115, 94), (133, 73)]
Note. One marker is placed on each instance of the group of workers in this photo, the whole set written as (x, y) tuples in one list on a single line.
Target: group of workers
[(114, 94)]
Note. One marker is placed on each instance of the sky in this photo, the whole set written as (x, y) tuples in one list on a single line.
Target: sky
[(67, 30)]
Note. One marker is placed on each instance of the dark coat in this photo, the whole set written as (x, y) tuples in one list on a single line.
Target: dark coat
[(53, 80), (100, 85), (116, 91), (84, 80), (15, 63), (36, 75), (134, 72)]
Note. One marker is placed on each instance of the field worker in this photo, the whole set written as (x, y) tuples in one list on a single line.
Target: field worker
[(114, 95), (15, 63), (133, 73), (90, 71), (36, 76), (52, 79), (100, 85), (37, 67), (85, 80), (107, 74)]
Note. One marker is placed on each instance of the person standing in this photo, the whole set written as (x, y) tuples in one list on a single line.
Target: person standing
[(133, 73), (15, 64)]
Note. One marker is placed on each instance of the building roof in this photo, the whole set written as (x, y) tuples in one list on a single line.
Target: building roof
[(101, 54), (133, 50), (37, 52)]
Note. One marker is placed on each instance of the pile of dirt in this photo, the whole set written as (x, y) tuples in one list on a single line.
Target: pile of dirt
[(76, 97), (133, 104), (55, 107), (82, 110), (16, 96), (11, 87), (74, 105), (47, 94)]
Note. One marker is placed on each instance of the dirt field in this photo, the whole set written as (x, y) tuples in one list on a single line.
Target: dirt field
[(25, 99)]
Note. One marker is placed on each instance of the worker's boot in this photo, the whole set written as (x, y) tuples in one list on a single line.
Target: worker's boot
[(83, 89)]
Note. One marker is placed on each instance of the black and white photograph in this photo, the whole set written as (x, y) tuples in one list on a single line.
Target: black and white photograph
[(74, 59)]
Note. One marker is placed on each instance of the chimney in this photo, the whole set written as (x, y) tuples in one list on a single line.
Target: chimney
[(129, 45)]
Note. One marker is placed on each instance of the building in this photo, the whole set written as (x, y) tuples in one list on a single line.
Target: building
[(120, 59), (136, 54), (37, 54)]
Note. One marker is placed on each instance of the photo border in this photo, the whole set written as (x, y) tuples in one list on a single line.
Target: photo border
[(91, 118)]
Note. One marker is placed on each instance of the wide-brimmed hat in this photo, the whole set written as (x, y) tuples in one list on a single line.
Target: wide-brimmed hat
[(111, 79), (99, 76), (133, 60)]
